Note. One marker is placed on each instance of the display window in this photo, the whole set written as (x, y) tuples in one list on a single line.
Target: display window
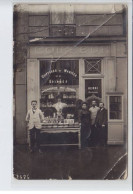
[(59, 90)]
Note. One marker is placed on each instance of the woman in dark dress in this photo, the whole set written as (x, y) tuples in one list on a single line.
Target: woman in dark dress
[(84, 119)]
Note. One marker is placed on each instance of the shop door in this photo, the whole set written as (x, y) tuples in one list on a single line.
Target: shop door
[(93, 90)]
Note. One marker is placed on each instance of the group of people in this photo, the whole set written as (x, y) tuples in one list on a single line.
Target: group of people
[(93, 123)]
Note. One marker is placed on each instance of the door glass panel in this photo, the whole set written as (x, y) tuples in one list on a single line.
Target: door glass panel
[(93, 88), (115, 107)]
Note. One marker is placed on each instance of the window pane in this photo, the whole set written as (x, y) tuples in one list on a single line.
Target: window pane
[(92, 66), (93, 87), (62, 14), (115, 107)]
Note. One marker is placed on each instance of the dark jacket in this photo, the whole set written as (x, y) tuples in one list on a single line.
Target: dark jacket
[(84, 117), (102, 117)]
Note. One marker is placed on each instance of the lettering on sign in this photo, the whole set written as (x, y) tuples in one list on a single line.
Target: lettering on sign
[(59, 71), (68, 51)]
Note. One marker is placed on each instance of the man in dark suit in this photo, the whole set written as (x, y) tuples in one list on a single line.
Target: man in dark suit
[(101, 124)]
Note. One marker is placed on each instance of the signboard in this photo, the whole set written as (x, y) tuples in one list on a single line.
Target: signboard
[(62, 72), (93, 87), (69, 51)]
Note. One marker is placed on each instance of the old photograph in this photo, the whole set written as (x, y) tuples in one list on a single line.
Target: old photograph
[(70, 91)]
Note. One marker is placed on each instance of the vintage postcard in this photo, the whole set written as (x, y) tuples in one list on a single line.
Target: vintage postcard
[(70, 65)]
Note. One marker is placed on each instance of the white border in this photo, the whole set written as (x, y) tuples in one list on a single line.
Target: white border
[(6, 87)]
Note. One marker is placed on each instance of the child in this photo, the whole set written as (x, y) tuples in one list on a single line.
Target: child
[(34, 118)]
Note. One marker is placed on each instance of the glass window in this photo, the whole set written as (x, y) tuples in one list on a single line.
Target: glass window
[(59, 86), (62, 14), (115, 107), (62, 21), (92, 66), (93, 88)]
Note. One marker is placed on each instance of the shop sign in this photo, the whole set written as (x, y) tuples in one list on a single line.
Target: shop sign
[(59, 71), (93, 86)]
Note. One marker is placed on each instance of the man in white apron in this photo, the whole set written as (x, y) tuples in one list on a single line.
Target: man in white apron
[(34, 118)]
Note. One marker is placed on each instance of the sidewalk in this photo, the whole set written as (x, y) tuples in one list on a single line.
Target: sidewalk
[(66, 162)]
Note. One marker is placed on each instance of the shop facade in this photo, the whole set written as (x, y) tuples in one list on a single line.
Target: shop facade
[(95, 69)]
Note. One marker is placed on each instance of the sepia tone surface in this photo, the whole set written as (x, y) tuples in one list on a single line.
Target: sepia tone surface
[(66, 54)]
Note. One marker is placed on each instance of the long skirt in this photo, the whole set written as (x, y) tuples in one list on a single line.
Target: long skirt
[(85, 134)]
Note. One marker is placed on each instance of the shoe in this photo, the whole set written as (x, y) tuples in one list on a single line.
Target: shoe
[(40, 151)]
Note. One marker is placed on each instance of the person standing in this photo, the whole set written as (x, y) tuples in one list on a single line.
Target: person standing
[(34, 118), (84, 120), (101, 124), (93, 110)]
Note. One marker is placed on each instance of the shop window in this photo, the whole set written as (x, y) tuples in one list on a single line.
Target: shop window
[(59, 81), (92, 66), (115, 107)]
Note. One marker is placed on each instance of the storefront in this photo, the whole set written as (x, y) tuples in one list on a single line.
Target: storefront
[(68, 54), (84, 73)]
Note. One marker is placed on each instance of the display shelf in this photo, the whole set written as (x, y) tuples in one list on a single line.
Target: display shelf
[(67, 94)]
